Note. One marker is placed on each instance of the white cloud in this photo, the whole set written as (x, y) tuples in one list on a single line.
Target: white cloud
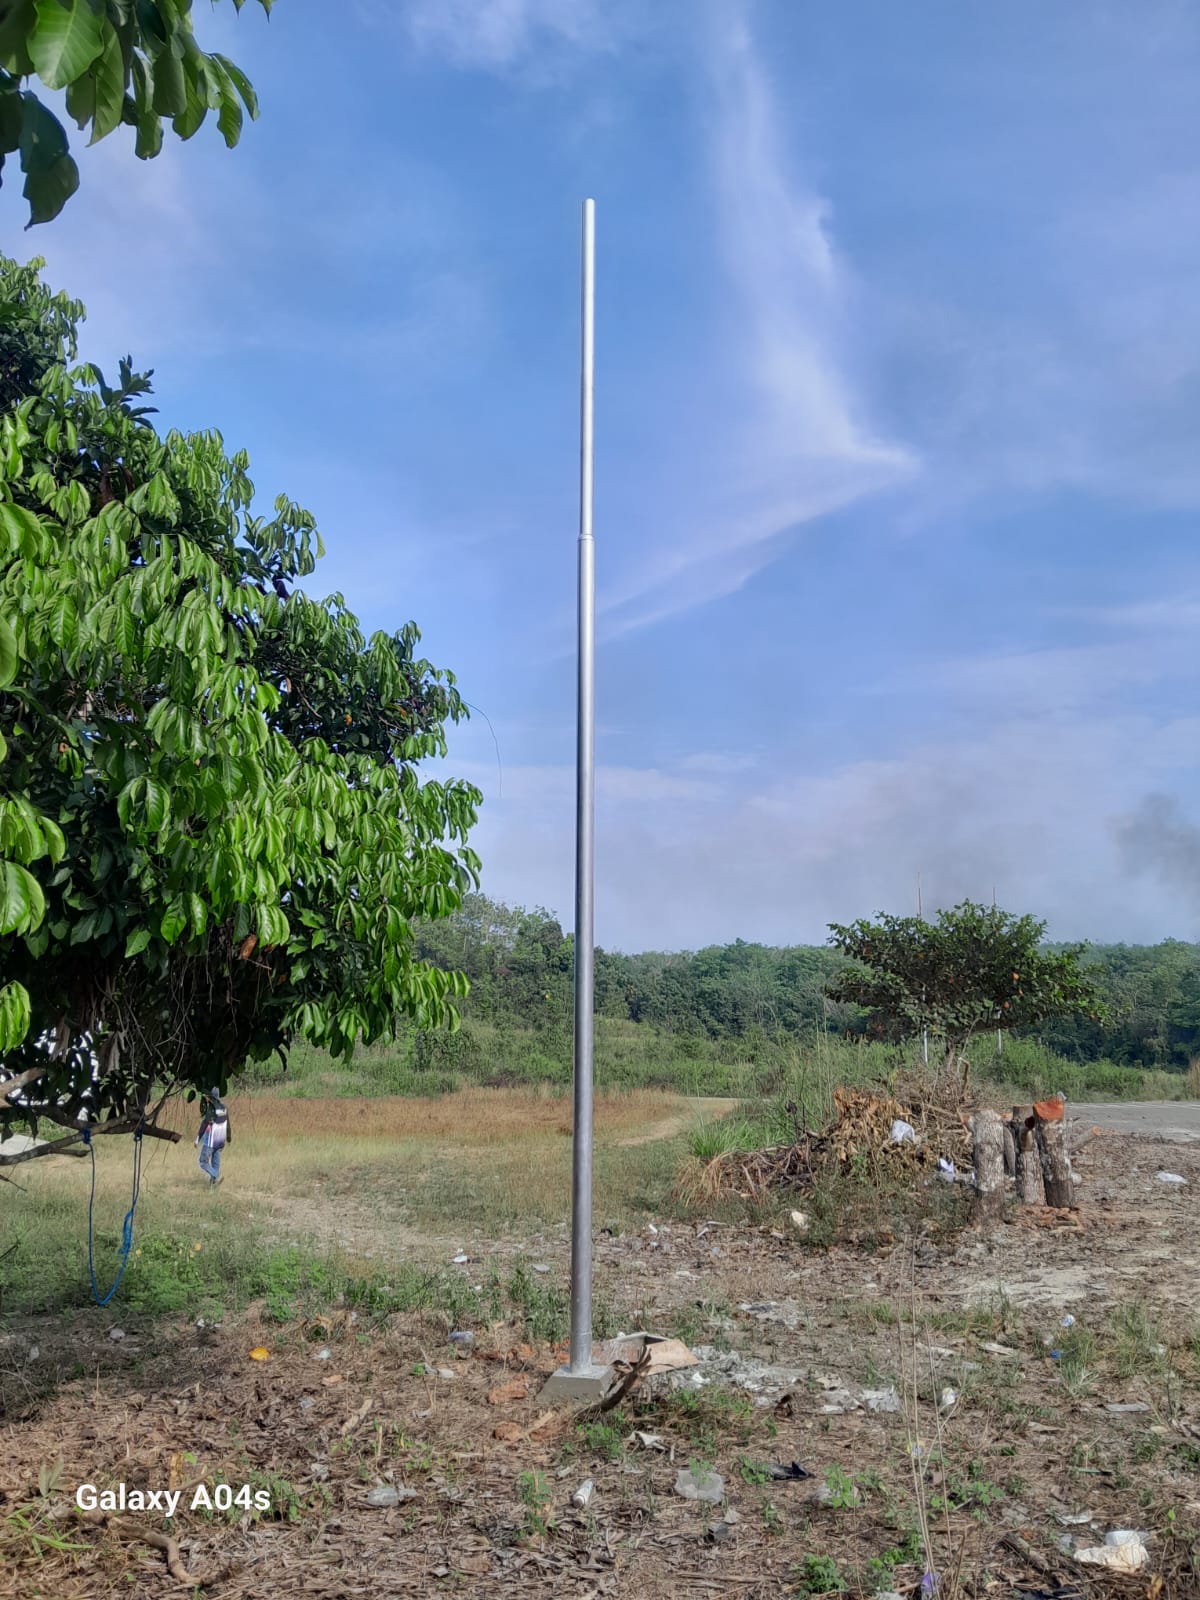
[(1031, 805), (500, 34), (786, 440)]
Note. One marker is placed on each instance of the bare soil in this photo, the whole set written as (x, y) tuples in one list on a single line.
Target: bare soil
[(780, 1327)]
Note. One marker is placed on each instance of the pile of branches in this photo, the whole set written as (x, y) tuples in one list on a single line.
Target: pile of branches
[(858, 1137)]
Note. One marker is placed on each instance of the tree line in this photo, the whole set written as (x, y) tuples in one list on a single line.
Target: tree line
[(520, 963)]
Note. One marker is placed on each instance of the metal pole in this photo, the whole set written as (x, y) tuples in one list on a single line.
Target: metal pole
[(585, 808), (999, 1035), (924, 1031)]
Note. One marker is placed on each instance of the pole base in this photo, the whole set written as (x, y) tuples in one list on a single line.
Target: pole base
[(592, 1383)]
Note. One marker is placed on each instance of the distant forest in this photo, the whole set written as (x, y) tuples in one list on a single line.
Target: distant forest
[(520, 965)]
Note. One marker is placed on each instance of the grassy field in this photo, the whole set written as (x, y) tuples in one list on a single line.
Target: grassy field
[(635, 1056), (328, 1195)]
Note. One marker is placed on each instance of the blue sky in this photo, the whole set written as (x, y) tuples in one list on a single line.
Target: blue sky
[(898, 423)]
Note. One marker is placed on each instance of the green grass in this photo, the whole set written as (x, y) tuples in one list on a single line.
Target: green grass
[(631, 1055)]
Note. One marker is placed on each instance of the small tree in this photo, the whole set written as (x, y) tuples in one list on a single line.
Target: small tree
[(120, 61), (213, 838), (971, 970)]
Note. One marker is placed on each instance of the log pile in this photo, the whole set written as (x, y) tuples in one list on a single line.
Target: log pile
[(1026, 1154)]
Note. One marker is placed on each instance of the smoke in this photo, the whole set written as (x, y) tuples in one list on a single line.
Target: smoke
[(1157, 839)]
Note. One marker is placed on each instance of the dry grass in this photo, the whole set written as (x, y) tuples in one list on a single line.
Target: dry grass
[(476, 1117), (1194, 1078), (351, 1173)]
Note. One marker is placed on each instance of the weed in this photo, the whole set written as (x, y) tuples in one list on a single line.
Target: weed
[(772, 1521), (1077, 1354), (1138, 1347), (753, 1472), (533, 1489), (819, 1575), (543, 1307), (603, 1439), (841, 1491)]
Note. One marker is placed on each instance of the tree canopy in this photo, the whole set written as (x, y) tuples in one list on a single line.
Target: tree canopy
[(213, 836), (133, 62), (971, 969)]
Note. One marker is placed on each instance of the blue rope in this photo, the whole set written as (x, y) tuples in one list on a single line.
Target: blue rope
[(127, 1225)]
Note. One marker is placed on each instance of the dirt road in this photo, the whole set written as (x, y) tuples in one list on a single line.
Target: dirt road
[(1175, 1120)]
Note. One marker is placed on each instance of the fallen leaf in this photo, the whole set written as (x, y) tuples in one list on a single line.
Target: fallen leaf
[(509, 1432), (260, 1353), (332, 1379), (516, 1389)]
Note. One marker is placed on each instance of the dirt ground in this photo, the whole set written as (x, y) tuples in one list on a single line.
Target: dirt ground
[(834, 1360)]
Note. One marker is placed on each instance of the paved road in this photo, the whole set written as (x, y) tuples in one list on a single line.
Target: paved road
[(1177, 1120)]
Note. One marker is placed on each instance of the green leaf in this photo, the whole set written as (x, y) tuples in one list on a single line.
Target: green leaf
[(22, 905), (109, 75), (241, 83), (17, 19), (66, 40), (8, 654), (14, 1015), (170, 87), (137, 942), (173, 923), (51, 176)]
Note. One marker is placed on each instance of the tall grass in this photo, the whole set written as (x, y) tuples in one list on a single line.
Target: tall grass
[(636, 1056)]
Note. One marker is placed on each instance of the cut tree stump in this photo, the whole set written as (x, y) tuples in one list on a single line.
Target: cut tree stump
[(1030, 1187), (1049, 1127), (991, 1190), (1010, 1152)]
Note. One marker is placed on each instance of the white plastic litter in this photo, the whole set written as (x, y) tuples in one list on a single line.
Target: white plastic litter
[(1128, 1556), (1170, 1177), (903, 1132), (583, 1495), (388, 1494), (947, 1398), (881, 1399), (946, 1169), (1068, 1321), (706, 1486)]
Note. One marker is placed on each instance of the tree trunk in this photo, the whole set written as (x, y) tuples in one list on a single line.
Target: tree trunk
[(987, 1128), (1010, 1152), (1052, 1147), (1030, 1187)]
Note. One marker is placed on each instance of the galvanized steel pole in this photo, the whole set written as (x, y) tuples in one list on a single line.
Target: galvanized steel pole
[(585, 807)]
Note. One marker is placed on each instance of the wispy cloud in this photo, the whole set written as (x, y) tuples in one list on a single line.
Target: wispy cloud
[(1047, 809), (501, 34), (802, 445)]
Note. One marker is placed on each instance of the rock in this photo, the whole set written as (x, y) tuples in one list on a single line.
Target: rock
[(116, 1334), (801, 1221), (708, 1487)]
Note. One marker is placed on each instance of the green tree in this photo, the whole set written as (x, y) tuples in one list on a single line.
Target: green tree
[(120, 61), (213, 837), (973, 969)]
